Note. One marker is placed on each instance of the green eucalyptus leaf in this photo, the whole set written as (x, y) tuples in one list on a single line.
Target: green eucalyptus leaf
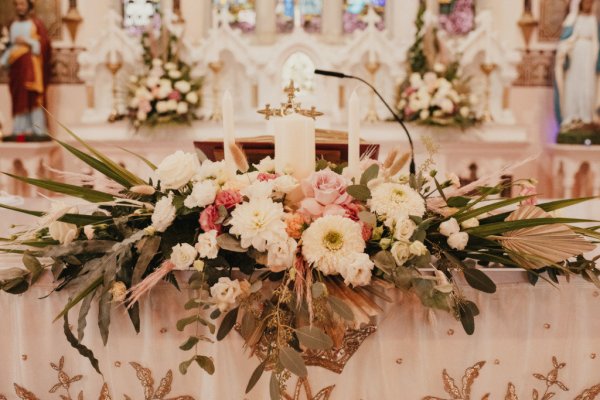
[(256, 376), (274, 390), (183, 367), (340, 308), (370, 173), (314, 338), (189, 343), (477, 279), (384, 260), (359, 192), (227, 324), (293, 362), (33, 266), (368, 218), (228, 242), (182, 323), (248, 325), (206, 363), (458, 202)]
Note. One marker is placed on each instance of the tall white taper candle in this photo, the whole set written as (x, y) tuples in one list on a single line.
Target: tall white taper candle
[(354, 135), (228, 131)]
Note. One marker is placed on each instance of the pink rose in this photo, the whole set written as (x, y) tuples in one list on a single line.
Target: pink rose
[(324, 188), (174, 95), (265, 176), (228, 198), (208, 219)]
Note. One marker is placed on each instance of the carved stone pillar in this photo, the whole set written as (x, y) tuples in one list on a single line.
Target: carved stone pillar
[(332, 20), (265, 21)]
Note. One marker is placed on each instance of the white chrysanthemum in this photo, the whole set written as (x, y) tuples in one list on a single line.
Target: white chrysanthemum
[(258, 222), (215, 170), (328, 240), (395, 200)]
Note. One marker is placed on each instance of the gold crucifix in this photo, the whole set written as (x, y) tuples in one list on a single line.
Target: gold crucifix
[(291, 106)]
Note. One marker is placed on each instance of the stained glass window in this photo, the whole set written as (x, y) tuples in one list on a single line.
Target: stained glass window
[(242, 11), (356, 10), (137, 14), (285, 12)]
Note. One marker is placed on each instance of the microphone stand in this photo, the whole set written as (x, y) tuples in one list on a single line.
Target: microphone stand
[(412, 166)]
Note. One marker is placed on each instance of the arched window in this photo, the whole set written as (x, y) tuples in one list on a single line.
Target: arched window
[(300, 68), (138, 14), (242, 11), (355, 10)]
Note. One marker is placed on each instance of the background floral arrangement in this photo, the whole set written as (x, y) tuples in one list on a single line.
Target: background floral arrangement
[(295, 263), (166, 92), (434, 93)]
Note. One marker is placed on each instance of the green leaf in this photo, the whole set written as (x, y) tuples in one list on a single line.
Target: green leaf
[(104, 314), (256, 376), (274, 390), (215, 314), (314, 338), (228, 242), (183, 367), (33, 266), (458, 201), (248, 325), (182, 323), (148, 247), (359, 192), (87, 290), (548, 206), (83, 312), (15, 285), (144, 159), (90, 195), (292, 361), (464, 215), (134, 316), (206, 363), (477, 279), (507, 226), (318, 289), (191, 342), (466, 318), (384, 260), (370, 173), (340, 308), (227, 323), (368, 218), (191, 304), (84, 351)]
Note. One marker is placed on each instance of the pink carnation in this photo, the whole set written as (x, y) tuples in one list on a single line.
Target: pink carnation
[(367, 231), (265, 176), (228, 198), (174, 95), (208, 219)]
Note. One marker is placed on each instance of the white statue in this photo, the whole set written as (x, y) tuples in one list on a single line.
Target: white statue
[(577, 65)]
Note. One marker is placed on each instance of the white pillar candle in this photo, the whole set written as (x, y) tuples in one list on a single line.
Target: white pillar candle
[(228, 131), (295, 145), (354, 135)]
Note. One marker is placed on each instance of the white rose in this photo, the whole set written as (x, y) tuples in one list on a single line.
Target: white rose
[(63, 232), (449, 227), (404, 229), (400, 252), (225, 293), (183, 86), (281, 255), (191, 97), (470, 223), (207, 245), (182, 108), (458, 241), (156, 62), (267, 164), (172, 105), (176, 170), (88, 230), (164, 214), (162, 107), (203, 194), (424, 114), (464, 112), (169, 66), (447, 106), (285, 184), (183, 255), (417, 248), (259, 190), (357, 272), (174, 74)]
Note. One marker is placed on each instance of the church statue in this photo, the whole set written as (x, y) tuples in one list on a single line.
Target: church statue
[(577, 66), (28, 60)]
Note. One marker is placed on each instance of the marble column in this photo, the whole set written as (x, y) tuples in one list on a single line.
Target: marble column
[(265, 21), (332, 20)]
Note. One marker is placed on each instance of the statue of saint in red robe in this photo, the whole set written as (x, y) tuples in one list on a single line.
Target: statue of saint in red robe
[(28, 60)]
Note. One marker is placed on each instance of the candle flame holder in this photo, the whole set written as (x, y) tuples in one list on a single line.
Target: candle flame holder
[(114, 66), (372, 67), (488, 69), (216, 67), (290, 107)]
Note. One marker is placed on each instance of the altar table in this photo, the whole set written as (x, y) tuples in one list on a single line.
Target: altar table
[(526, 338)]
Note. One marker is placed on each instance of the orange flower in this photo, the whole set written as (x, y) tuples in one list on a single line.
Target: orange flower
[(295, 224)]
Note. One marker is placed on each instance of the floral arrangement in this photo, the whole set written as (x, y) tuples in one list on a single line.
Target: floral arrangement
[(457, 17), (293, 262), (434, 93), (165, 92)]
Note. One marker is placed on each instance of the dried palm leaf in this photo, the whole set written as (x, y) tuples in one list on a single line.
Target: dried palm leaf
[(239, 157), (542, 245), (389, 160), (398, 164)]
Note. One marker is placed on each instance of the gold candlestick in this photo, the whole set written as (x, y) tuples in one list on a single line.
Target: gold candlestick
[(216, 67), (372, 68), (487, 69), (114, 65), (72, 19), (527, 24)]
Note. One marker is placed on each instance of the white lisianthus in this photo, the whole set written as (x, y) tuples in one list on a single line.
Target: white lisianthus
[(174, 74), (191, 97), (417, 249), (281, 255), (258, 223), (63, 232), (285, 184), (424, 114), (182, 108), (225, 293), (183, 255), (203, 194), (267, 164), (259, 189), (170, 65), (164, 213), (470, 223), (449, 227), (329, 240), (395, 200), (357, 270), (183, 86), (404, 229), (162, 107), (172, 105), (401, 252), (458, 240), (89, 232), (214, 170), (207, 245), (464, 112), (177, 169)]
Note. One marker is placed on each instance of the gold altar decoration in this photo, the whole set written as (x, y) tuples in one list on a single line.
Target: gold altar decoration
[(290, 107), (72, 19), (179, 20), (216, 67), (372, 68), (487, 69), (527, 23), (114, 64)]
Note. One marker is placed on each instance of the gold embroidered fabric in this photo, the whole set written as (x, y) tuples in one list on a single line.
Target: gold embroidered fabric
[(303, 386), (552, 385)]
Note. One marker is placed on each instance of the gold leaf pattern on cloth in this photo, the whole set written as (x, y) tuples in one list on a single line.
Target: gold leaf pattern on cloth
[(551, 382), (303, 385)]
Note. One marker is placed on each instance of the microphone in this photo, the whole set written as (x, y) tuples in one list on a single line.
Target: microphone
[(335, 74)]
